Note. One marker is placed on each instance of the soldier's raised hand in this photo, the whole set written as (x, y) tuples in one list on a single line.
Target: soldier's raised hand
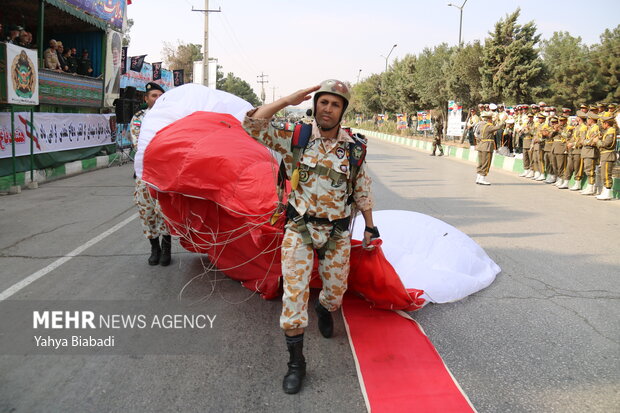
[(301, 95)]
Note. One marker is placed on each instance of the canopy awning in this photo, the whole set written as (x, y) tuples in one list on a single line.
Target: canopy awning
[(67, 8)]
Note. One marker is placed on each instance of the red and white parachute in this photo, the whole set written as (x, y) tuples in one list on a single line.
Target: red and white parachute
[(217, 189)]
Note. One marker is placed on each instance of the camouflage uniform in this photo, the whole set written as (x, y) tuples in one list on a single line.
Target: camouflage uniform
[(153, 223), (317, 196)]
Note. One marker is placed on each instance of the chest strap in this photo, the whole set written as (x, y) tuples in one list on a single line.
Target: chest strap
[(321, 170)]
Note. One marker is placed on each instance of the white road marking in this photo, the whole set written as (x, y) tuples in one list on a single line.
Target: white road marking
[(33, 277)]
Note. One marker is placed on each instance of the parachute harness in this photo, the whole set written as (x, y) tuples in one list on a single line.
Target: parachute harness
[(357, 154)]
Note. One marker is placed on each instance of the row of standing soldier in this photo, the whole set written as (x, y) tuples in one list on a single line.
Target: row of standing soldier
[(554, 151)]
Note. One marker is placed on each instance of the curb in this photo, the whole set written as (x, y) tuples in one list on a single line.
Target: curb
[(62, 171), (504, 163)]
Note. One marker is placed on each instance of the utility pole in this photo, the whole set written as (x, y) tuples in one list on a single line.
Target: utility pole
[(273, 99), (262, 81), (205, 46)]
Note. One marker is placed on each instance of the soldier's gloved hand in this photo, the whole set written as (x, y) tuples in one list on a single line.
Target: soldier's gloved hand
[(369, 235)]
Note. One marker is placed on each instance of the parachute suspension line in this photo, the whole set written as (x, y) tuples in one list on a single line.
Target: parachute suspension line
[(207, 240)]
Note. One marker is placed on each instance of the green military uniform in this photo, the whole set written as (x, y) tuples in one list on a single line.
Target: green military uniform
[(548, 160), (485, 148), (590, 153), (527, 131), (559, 151), (575, 163), (537, 145), (607, 148)]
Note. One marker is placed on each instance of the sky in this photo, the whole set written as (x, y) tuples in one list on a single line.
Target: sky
[(297, 44)]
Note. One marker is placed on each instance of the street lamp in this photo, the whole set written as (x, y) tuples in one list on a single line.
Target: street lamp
[(461, 20), (388, 56), (358, 75), (386, 67)]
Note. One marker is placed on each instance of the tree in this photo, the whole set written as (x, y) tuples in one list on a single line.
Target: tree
[(126, 36), (572, 76), (464, 74), (607, 60), (238, 87), (512, 70), (399, 94), (431, 76), (183, 57), (365, 96)]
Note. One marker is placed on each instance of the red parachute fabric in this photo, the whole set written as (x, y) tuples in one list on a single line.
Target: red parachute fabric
[(217, 188), (373, 277)]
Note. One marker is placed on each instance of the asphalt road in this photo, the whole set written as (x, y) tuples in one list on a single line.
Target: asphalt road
[(543, 337)]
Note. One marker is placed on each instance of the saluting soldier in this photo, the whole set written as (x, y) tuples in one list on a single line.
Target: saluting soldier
[(607, 145), (323, 180), (485, 147), (589, 153)]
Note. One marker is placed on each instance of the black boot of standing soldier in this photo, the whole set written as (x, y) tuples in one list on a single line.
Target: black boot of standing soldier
[(155, 251), (326, 322), (166, 249), (296, 365)]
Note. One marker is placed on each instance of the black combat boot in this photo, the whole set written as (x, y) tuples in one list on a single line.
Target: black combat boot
[(166, 246), (296, 365), (326, 323), (155, 251)]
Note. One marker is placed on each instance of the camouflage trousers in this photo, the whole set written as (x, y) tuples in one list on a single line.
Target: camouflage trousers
[(297, 264), (153, 223)]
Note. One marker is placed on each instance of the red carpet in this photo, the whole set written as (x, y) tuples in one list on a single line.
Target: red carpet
[(397, 365)]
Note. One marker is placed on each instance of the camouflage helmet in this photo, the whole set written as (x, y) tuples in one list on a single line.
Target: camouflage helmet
[(334, 87)]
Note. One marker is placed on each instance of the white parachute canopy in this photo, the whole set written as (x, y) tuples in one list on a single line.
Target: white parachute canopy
[(431, 255), (181, 102)]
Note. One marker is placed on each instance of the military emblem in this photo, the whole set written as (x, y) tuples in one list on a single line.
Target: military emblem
[(23, 75), (303, 176), (340, 153), (357, 152)]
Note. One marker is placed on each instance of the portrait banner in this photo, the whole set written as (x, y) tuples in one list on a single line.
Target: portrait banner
[(22, 75), (113, 67), (53, 132), (401, 121), (455, 124), (424, 121)]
